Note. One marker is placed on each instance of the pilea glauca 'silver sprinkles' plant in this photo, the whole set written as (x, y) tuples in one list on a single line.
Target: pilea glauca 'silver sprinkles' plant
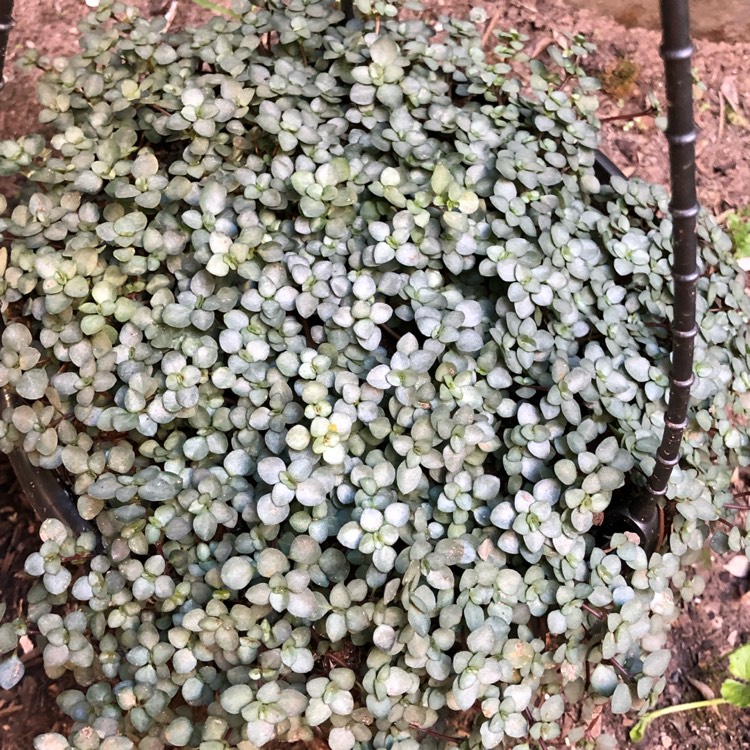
[(344, 350)]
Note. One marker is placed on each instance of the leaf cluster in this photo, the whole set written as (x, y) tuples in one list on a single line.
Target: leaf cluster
[(344, 350)]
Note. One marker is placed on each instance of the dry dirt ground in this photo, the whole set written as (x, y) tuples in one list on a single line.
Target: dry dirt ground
[(627, 61)]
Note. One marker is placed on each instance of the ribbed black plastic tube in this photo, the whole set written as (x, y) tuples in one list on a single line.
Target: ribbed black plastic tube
[(676, 51), (6, 24)]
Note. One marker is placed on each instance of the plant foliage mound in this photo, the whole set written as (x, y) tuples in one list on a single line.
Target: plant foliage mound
[(344, 351)]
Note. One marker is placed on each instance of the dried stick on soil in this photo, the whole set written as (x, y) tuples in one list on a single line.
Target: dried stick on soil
[(491, 25), (170, 14), (651, 111)]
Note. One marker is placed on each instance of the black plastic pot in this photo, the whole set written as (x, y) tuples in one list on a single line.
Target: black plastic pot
[(605, 169), (49, 498), (45, 493), (631, 510)]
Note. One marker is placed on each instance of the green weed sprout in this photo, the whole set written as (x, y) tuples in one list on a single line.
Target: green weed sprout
[(738, 227)]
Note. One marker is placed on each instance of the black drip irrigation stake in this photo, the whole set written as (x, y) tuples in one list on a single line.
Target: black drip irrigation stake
[(676, 51), (632, 508)]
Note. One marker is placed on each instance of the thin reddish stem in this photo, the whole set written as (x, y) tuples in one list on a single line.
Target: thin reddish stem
[(624, 672), (593, 612), (629, 115)]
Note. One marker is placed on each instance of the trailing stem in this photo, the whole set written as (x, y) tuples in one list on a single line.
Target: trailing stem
[(639, 730)]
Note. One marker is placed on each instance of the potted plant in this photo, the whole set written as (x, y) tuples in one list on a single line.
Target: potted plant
[(343, 350)]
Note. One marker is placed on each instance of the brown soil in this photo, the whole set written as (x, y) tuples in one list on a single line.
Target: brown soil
[(719, 20), (627, 60), (628, 63)]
